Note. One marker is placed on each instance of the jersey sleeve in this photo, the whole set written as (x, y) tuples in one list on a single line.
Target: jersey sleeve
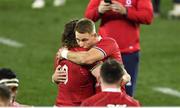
[(142, 13), (92, 10), (107, 47)]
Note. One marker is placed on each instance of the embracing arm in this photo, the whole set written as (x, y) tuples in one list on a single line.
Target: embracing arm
[(82, 57)]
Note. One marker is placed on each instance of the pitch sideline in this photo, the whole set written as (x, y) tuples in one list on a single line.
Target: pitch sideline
[(10, 42), (168, 91)]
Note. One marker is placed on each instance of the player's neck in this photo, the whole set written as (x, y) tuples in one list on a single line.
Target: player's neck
[(110, 88)]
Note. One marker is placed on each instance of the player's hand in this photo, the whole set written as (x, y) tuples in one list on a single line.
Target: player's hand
[(118, 7), (126, 78), (59, 76), (104, 7)]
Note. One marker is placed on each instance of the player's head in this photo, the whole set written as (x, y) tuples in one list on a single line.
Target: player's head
[(85, 33), (68, 36), (111, 72), (9, 79), (5, 95)]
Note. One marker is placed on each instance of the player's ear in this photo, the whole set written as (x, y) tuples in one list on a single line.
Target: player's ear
[(94, 34)]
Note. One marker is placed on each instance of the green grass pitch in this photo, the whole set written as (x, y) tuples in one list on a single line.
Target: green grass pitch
[(40, 31)]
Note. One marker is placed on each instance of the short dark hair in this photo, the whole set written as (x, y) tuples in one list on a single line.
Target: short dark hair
[(8, 77), (6, 73), (111, 71), (5, 93), (85, 25), (68, 36)]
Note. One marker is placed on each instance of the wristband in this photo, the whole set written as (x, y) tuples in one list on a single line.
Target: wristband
[(64, 53)]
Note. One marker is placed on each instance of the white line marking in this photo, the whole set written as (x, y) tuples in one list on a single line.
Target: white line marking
[(10, 42), (168, 91)]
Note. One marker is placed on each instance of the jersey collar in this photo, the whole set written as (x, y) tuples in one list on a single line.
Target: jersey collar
[(112, 90)]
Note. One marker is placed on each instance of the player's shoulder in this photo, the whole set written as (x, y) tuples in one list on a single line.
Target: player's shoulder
[(67, 62), (93, 98), (96, 96), (130, 100)]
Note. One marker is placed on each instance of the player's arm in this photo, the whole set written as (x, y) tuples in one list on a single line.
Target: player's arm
[(92, 10), (82, 57), (96, 73), (126, 77), (143, 13)]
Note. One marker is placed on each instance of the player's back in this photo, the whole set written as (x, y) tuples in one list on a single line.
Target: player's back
[(110, 99), (78, 86)]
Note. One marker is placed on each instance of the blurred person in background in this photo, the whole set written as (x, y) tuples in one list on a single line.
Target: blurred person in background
[(9, 79), (175, 12), (121, 19), (111, 77), (156, 7), (38, 4), (5, 96)]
